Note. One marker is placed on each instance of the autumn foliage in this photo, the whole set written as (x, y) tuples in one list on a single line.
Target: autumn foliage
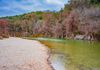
[(77, 18), (4, 28)]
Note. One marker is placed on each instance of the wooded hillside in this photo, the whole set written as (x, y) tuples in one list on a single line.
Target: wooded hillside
[(79, 17)]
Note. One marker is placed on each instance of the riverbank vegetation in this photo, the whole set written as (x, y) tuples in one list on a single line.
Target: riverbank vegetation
[(79, 19)]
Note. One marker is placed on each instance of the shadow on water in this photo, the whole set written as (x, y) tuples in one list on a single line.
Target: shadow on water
[(73, 54)]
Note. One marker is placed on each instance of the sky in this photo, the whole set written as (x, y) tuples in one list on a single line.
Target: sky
[(17, 7)]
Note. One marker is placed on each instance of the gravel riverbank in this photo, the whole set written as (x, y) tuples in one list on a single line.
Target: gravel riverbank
[(22, 54)]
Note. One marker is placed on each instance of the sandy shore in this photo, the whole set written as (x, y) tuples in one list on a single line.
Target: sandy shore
[(22, 54)]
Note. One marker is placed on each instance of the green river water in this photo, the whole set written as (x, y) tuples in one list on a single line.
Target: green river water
[(73, 54)]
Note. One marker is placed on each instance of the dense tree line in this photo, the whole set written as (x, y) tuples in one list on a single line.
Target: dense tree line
[(79, 17)]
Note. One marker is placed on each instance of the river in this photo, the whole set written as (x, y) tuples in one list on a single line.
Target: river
[(73, 54)]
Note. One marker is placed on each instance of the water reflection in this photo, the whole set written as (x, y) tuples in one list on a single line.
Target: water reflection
[(57, 61)]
